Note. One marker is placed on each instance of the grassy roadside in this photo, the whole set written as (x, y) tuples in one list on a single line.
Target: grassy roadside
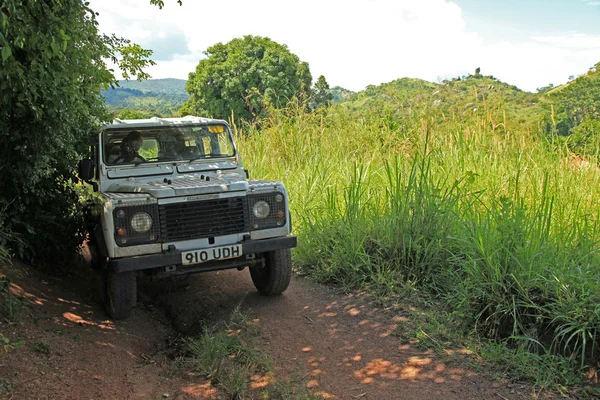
[(429, 324), (227, 355), (491, 223)]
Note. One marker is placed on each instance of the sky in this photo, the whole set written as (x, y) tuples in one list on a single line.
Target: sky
[(356, 43)]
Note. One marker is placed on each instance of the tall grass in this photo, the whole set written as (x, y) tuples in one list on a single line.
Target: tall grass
[(494, 221)]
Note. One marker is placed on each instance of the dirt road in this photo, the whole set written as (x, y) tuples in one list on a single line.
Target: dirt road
[(339, 345)]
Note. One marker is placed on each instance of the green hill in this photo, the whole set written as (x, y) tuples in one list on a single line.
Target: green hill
[(153, 97), (163, 86), (475, 97), (575, 113)]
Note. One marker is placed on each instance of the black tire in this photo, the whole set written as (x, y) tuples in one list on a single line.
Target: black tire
[(120, 293), (274, 277)]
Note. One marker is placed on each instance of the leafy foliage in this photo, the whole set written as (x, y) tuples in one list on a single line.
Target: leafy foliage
[(51, 71), (244, 77), (321, 94)]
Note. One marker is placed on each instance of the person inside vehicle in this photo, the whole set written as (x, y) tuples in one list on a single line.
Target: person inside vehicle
[(129, 149)]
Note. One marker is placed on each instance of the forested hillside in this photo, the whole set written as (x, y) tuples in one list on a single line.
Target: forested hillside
[(153, 97)]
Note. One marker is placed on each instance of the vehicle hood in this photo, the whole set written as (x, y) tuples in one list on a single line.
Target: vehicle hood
[(182, 185)]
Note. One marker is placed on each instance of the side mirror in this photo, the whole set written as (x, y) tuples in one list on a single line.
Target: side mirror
[(86, 169)]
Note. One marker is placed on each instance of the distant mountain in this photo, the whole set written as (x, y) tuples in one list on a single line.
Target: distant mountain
[(168, 85), (156, 97)]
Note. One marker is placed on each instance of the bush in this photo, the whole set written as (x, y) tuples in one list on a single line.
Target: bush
[(51, 72)]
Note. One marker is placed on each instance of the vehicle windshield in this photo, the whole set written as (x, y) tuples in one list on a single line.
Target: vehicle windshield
[(166, 143)]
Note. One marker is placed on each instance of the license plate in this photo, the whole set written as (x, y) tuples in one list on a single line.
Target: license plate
[(210, 254)]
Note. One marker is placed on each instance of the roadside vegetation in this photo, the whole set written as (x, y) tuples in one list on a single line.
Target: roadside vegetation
[(226, 354), (462, 193)]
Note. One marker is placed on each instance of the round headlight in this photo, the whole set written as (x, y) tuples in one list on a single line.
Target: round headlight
[(279, 198), (261, 209), (141, 222)]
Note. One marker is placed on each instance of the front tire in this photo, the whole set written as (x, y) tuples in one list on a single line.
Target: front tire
[(120, 293), (274, 277)]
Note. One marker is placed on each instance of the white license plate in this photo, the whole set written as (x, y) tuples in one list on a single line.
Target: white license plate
[(210, 254)]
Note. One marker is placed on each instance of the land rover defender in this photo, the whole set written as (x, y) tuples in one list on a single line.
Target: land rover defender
[(177, 200)]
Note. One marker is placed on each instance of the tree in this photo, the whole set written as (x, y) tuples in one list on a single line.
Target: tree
[(244, 77), (321, 94), (51, 72), (545, 89)]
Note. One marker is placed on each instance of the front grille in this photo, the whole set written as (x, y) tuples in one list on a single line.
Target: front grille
[(202, 219)]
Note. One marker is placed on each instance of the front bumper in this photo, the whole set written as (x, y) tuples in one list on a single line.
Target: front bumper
[(173, 257)]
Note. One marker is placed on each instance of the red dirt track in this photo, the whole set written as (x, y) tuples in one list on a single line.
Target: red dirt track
[(338, 345)]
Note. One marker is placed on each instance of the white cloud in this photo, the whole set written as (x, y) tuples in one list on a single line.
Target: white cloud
[(353, 43)]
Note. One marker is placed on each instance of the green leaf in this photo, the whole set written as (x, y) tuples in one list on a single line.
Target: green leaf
[(6, 52)]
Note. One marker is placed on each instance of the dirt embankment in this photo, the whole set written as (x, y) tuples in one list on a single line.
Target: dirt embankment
[(338, 345)]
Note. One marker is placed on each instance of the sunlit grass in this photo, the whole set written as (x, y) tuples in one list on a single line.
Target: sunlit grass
[(498, 223)]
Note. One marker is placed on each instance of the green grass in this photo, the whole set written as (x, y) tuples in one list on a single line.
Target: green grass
[(490, 221), (226, 355)]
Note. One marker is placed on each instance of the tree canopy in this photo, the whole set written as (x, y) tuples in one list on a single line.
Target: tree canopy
[(52, 68), (246, 76), (321, 94)]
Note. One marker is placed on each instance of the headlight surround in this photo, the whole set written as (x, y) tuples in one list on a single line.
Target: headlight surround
[(267, 209), (136, 224), (141, 222), (261, 209)]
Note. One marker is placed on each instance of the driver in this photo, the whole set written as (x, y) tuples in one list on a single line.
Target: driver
[(130, 147)]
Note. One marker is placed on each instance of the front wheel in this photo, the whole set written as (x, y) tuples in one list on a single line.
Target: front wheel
[(274, 277), (120, 293)]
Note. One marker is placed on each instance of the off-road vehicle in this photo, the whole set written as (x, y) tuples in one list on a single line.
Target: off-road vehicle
[(177, 200)]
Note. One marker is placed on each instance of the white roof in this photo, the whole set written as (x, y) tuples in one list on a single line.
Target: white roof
[(154, 121)]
